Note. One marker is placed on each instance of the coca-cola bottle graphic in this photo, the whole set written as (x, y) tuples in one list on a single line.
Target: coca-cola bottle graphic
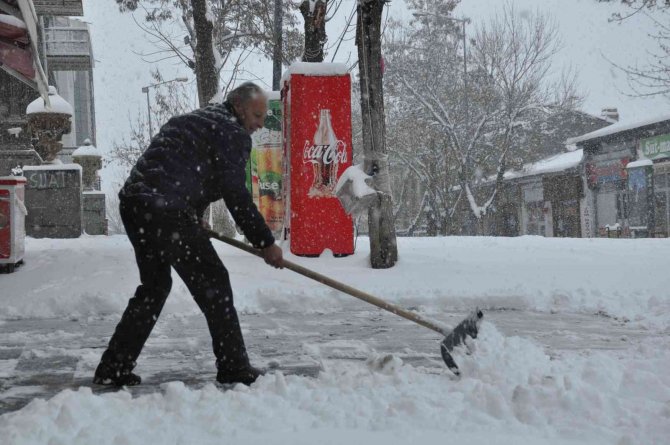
[(325, 155)]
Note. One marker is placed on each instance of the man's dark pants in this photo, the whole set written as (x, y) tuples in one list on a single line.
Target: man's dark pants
[(165, 239)]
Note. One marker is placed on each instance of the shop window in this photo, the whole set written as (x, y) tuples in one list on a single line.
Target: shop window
[(536, 218), (607, 208)]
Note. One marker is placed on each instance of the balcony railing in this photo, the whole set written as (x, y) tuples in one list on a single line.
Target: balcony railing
[(67, 42), (59, 7)]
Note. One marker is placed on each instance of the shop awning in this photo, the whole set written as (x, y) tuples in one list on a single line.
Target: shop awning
[(19, 55)]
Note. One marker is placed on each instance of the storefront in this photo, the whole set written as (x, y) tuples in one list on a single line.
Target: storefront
[(535, 212), (552, 195), (564, 193), (657, 151), (627, 172), (606, 175)]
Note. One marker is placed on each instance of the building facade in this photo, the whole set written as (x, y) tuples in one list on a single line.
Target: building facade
[(60, 46), (613, 182), (626, 169)]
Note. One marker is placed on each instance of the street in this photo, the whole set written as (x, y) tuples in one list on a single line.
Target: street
[(41, 357)]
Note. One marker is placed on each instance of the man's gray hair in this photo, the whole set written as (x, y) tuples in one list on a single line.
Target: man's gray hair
[(244, 93)]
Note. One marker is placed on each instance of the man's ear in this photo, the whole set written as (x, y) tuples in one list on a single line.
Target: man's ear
[(237, 106)]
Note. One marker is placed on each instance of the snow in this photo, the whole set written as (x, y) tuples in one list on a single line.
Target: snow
[(618, 128), (87, 150), (545, 274), (315, 69), (58, 104), (12, 21), (557, 163), (15, 131), (640, 163), (353, 191), (358, 177), (52, 167), (512, 390)]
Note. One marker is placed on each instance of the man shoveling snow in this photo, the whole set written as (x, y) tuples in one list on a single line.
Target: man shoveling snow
[(194, 160)]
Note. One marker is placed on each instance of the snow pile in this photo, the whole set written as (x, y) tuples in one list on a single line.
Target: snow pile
[(96, 275), (88, 149), (513, 392), (56, 104), (353, 190)]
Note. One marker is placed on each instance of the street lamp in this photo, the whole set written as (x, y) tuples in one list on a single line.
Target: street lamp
[(462, 21), (146, 90)]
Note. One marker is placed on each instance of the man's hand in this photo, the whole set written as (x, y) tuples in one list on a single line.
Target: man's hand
[(274, 256)]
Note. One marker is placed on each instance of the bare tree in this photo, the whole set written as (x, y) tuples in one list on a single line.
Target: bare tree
[(383, 246), (653, 77), (170, 99), (238, 27), (217, 35), (482, 126)]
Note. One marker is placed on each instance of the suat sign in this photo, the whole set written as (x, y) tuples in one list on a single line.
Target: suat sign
[(325, 154)]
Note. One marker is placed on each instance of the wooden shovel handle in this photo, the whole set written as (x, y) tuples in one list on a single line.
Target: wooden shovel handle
[(411, 316)]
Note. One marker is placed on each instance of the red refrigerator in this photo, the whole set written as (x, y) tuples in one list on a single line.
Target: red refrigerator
[(12, 221), (317, 150)]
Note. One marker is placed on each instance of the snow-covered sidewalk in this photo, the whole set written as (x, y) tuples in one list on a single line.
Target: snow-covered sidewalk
[(561, 375)]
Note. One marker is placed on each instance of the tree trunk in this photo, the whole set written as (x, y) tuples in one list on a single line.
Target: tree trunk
[(383, 246), (206, 73), (315, 29), (207, 79), (277, 55)]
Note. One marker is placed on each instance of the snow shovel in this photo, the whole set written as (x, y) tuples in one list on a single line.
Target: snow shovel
[(452, 337)]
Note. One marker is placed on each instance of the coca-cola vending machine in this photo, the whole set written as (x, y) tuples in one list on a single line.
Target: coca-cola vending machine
[(12, 221), (317, 148)]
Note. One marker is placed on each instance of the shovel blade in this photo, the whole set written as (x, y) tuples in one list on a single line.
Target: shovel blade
[(469, 327)]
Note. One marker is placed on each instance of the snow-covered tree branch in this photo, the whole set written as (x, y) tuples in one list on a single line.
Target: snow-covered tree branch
[(478, 119)]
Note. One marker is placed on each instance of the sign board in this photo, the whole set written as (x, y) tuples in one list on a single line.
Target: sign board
[(657, 147), (265, 169), (54, 201)]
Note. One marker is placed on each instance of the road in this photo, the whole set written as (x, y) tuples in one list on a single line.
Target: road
[(39, 358)]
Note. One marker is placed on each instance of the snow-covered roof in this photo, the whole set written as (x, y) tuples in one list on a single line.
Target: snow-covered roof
[(553, 164), (617, 128), (315, 69), (87, 149), (58, 104)]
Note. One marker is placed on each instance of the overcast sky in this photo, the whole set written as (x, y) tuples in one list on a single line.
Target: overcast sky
[(588, 39)]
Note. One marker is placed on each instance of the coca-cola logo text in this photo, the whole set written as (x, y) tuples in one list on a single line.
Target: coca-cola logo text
[(327, 154)]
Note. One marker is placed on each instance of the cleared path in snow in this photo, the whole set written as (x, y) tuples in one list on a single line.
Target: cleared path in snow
[(39, 358)]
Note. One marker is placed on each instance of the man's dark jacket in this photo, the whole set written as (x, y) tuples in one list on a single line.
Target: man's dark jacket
[(196, 159)]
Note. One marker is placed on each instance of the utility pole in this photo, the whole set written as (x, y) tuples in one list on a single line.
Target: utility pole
[(277, 53)]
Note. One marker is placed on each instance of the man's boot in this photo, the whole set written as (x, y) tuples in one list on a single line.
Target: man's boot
[(245, 376), (116, 376)]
